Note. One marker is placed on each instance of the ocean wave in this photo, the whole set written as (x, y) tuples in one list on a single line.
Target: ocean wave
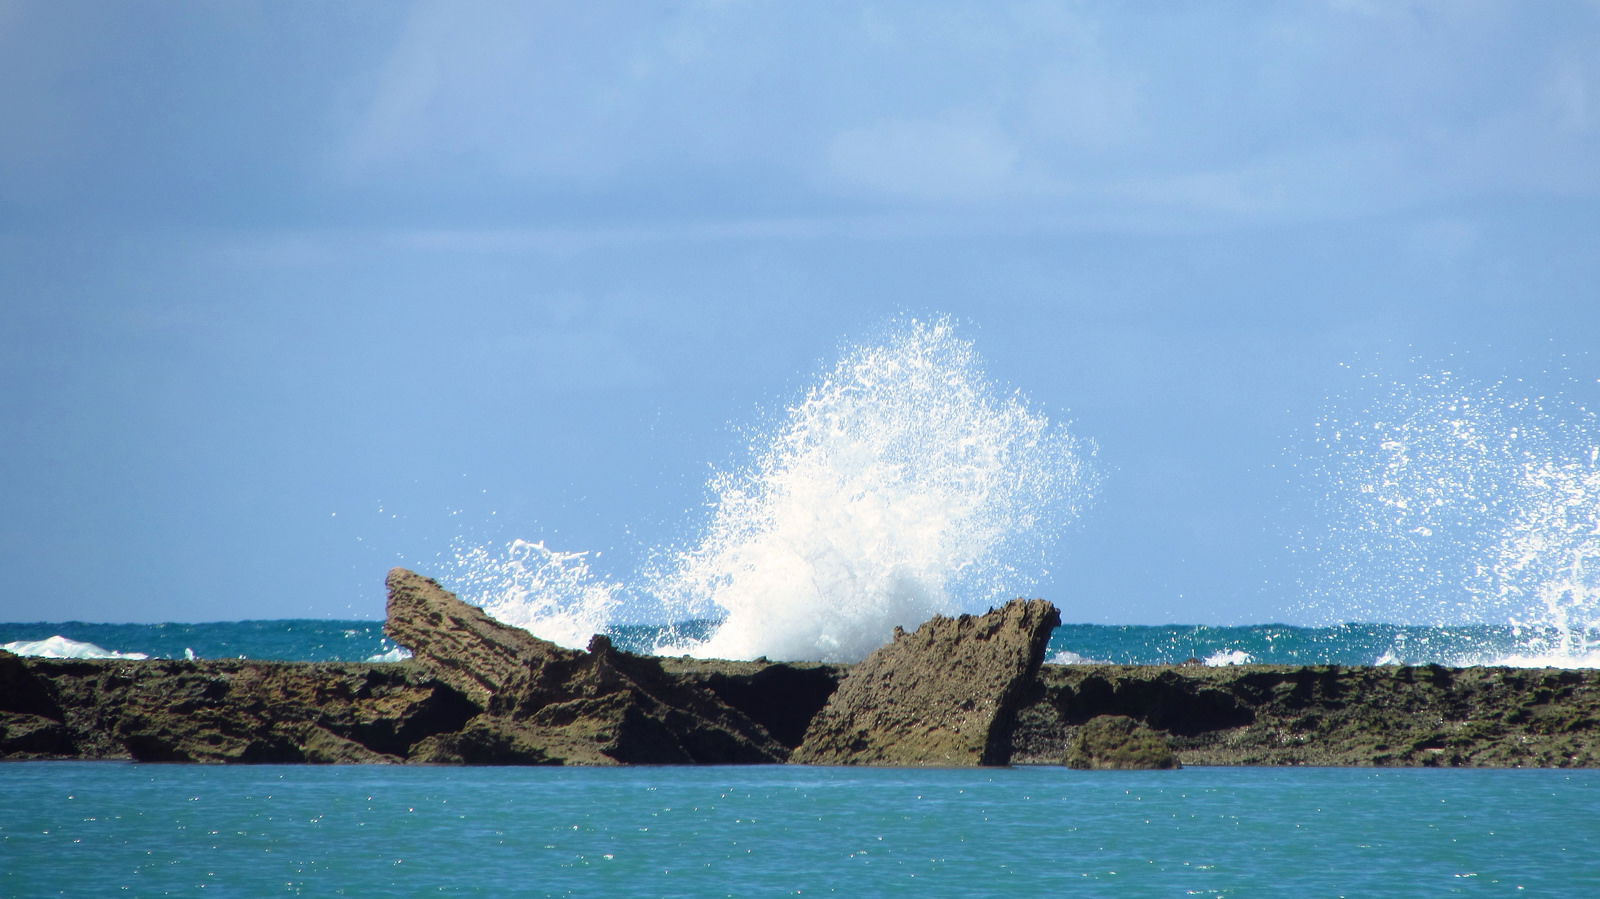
[(59, 647), (397, 654), (1226, 657)]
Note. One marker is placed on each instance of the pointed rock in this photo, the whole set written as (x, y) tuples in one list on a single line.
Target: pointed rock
[(550, 705), (460, 642), (944, 695)]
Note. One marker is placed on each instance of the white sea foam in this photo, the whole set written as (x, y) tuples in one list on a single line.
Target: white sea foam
[(1449, 502), (59, 647), (1068, 657), (905, 484), (1224, 657), (397, 654)]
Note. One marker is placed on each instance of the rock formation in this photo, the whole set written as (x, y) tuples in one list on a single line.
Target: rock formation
[(459, 642), (1120, 743), (783, 698), (1327, 714), (224, 710), (545, 703), (962, 691), (945, 694)]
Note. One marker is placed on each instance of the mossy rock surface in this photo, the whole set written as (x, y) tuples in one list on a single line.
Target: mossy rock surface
[(1118, 742)]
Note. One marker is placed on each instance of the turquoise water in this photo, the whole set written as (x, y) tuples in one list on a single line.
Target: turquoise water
[(356, 640), (73, 828), (87, 828)]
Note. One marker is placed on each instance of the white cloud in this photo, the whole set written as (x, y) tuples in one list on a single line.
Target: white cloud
[(771, 116)]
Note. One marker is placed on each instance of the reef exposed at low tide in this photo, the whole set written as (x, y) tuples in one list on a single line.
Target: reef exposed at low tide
[(970, 690)]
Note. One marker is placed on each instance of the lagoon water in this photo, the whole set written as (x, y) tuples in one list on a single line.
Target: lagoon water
[(84, 828)]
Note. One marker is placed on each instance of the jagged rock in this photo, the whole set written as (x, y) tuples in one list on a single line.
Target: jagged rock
[(487, 740), (230, 710), (628, 710), (25, 736), (782, 697), (460, 642), (1119, 742), (945, 694), (1328, 714), (283, 712), (21, 690), (600, 707)]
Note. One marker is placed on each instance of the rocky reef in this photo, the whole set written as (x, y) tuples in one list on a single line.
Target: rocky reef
[(946, 694), (221, 710), (544, 704), (1121, 743), (1326, 715), (958, 691)]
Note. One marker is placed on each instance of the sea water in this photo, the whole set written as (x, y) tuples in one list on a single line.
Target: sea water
[(1128, 644), (77, 828)]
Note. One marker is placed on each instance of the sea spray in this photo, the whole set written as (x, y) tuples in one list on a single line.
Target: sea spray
[(549, 593), (903, 485), (1546, 565), (1444, 501)]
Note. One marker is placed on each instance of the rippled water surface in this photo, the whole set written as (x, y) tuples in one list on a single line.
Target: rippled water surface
[(104, 828)]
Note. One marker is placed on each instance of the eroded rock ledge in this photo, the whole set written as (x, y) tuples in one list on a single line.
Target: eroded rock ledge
[(945, 695), (962, 691), (1327, 715)]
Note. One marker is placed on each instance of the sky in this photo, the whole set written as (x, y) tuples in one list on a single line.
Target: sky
[(294, 292)]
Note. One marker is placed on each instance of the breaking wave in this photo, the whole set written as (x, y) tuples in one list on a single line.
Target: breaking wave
[(904, 484)]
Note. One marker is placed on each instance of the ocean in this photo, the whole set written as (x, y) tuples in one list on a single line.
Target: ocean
[(315, 640), (95, 829)]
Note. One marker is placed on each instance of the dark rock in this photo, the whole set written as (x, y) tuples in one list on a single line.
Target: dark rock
[(782, 697), (485, 740), (460, 642), (21, 690), (1327, 714), (25, 736), (945, 694), (1119, 742), (600, 707), (262, 712)]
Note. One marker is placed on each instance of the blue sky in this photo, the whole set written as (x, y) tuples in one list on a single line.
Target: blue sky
[(294, 292)]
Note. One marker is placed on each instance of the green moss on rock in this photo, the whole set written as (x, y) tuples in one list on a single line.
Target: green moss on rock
[(1119, 742)]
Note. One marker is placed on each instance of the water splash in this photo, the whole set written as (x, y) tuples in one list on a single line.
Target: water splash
[(550, 594), (903, 485), (1447, 501), (1547, 562)]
